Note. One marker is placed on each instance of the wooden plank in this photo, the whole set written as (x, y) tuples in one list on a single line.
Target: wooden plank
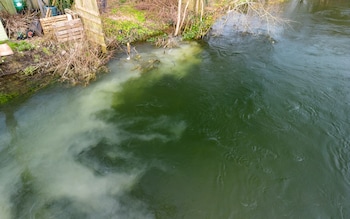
[(54, 19), (91, 17), (61, 30), (8, 6), (68, 24), (71, 23), (69, 30), (96, 32), (74, 14), (89, 12), (47, 23), (69, 39), (68, 27), (69, 34), (78, 30)]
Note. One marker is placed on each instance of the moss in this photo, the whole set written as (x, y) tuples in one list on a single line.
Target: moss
[(4, 98)]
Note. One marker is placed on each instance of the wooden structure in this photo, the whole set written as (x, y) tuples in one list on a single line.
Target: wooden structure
[(69, 30), (7, 5), (63, 27), (47, 23), (71, 14), (89, 12)]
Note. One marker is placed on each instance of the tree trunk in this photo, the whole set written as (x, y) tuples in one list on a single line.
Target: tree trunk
[(178, 17)]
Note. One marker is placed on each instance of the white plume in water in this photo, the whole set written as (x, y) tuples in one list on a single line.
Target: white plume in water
[(162, 128), (43, 173)]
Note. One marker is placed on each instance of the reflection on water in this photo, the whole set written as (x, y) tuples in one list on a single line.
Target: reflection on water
[(240, 126)]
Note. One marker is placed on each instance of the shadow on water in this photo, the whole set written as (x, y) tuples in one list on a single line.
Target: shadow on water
[(10, 120)]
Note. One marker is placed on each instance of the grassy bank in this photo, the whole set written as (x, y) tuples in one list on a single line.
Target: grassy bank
[(41, 61)]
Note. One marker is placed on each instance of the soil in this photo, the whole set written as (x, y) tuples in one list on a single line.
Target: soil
[(23, 73)]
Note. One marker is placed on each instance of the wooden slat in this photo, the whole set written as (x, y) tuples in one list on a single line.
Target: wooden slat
[(89, 12), (77, 30), (72, 13), (8, 6), (76, 22), (69, 30), (65, 39), (47, 23)]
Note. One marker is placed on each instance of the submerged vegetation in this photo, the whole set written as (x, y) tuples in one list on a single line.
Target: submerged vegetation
[(6, 97)]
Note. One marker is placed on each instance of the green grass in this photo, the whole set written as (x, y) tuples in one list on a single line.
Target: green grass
[(46, 51), (30, 70), (130, 11), (133, 28), (198, 28), (126, 31), (20, 46)]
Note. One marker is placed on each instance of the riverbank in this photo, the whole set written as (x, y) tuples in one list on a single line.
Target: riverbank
[(24, 72), (40, 61)]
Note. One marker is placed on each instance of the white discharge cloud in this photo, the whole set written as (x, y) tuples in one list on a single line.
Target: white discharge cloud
[(40, 175)]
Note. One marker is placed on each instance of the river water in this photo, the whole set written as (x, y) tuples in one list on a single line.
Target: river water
[(246, 124)]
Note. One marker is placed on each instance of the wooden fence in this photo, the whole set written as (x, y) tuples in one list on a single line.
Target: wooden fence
[(47, 23), (89, 12), (69, 30), (63, 27), (8, 6)]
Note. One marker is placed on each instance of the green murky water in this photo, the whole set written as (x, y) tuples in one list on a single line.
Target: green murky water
[(238, 126)]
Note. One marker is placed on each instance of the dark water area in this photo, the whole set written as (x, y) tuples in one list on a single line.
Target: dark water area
[(245, 124)]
